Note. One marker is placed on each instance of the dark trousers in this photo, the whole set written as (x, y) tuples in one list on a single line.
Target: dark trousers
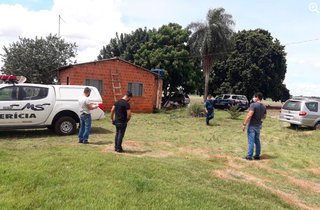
[(121, 129), (209, 116)]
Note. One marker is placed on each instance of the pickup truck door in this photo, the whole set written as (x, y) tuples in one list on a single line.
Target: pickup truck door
[(9, 106), (36, 104)]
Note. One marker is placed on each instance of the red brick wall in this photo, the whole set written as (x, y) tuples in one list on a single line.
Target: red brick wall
[(127, 72)]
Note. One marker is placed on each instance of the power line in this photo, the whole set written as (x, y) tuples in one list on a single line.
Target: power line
[(310, 40)]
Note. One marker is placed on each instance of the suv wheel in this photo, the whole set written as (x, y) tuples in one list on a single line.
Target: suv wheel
[(317, 126), (65, 126)]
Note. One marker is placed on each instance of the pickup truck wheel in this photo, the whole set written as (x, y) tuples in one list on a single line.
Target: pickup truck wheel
[(317, 126), (65, 126)]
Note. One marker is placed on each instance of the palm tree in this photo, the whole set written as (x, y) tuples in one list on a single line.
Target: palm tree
[(211, 39)]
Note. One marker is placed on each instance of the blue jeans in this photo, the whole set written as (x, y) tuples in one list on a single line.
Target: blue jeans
[(254, 138), (85, 127), (209, 116), (121, 129)]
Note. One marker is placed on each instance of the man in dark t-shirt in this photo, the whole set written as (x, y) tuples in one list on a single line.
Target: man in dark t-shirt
[(257, 112), (123, 115)]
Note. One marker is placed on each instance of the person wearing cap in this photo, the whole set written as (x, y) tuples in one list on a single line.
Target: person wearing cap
[(85, 118), (209, 108), (123, 115)]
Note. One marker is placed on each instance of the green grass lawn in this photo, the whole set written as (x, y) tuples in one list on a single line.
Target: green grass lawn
[(173, 161)]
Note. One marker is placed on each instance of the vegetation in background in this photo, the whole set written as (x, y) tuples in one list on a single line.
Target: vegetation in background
[(167, 50), (125, 45), (211, 40), (38, 59), (257, 62)]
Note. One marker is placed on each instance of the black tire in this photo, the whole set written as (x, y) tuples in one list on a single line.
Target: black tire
[(317, 126), (65, 126), (294, 126)]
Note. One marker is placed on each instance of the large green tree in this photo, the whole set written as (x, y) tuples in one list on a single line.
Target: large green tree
[(37, 59), (125, 45), (257, 62), (167, 49), (210, 39)]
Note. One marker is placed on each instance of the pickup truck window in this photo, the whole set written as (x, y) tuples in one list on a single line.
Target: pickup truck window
[(9, 93), (33, 93)]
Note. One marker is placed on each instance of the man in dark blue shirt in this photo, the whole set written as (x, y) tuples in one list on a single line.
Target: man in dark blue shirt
[(257, 112), (209, 108), (123, 116)]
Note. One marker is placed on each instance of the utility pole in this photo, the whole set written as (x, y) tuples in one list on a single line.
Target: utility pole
[(58, 79), (60, 18)]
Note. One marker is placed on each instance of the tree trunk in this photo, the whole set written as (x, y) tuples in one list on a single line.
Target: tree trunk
[(206, 66), (206, 84)]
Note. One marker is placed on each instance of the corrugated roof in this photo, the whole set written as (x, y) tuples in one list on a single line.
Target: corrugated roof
[(114, 58)]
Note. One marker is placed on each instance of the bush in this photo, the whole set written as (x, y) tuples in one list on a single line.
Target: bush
[(234, 111), (196, 110)]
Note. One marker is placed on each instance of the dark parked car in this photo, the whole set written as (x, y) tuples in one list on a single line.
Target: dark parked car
[(179, 98), (225, 100)]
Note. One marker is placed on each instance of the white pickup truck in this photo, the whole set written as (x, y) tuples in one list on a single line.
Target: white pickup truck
[(25, 106)]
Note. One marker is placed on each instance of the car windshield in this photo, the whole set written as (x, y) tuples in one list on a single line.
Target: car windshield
[(292, 105)]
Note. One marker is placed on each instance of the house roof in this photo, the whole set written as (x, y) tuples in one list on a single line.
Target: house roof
[(109, 59)]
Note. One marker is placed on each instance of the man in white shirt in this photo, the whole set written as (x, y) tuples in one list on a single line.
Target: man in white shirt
[(85, 118)]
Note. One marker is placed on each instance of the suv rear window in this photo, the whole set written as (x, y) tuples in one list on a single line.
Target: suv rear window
[(292, 105), (312, 106)]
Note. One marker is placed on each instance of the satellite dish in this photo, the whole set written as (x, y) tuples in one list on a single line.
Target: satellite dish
[(21, 79)]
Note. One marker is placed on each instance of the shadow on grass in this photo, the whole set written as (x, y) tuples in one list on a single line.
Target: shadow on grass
[(267, 157), (102, 143), (300, 128), (31, 133), (41, 133), (100, 130), (133, 152)]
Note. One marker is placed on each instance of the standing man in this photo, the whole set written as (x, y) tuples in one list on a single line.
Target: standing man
[(209, 107), (85, 118), (123, 116), (257, 112)]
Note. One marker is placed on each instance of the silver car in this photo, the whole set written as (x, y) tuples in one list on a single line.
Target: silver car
[(301, 111)]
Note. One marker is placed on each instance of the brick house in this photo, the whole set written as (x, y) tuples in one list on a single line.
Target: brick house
[(113, 77)]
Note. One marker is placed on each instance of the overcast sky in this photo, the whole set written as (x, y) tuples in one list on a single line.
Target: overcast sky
[(91, 24)]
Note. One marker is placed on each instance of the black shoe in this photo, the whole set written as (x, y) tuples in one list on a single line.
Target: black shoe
[(120, 151), (247, 158), (256, 158), (80, 142), (85, 142)]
